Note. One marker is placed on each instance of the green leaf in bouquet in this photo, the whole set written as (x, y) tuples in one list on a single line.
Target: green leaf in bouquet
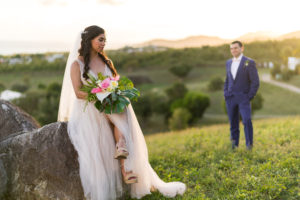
[(123, 100), (114, 96), (136, 91), (125, 83), (131, 94), (101, 76), (108, 109), (92, 78), (120, 107), (98, 105)]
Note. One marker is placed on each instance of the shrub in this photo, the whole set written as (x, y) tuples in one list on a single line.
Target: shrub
[(181, 71), (275, 70), (196, 103), (142, 107), (179, 119), (19, 87), (215, 84), (2, 87), (297, 70), (41, 86), (177, 91), (286, 74)]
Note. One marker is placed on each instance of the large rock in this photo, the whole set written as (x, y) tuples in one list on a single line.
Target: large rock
[(13, 119), (40, 164)]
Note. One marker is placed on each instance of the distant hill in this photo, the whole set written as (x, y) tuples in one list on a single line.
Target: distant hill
[(202, 40), (258, 36), (193, 41), (295, 34)]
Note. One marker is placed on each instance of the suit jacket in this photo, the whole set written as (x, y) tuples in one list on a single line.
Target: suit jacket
[(246, 80)]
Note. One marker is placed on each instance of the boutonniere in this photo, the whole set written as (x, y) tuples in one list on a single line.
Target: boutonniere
[(246, 63)]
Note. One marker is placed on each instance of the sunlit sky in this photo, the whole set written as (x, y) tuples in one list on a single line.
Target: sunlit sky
[(133, 21)]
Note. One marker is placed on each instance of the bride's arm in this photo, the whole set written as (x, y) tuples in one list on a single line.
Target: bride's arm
[(76, 81)]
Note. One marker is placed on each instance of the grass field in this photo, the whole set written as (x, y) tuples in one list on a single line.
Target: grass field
[(203, 159), (295, 80)]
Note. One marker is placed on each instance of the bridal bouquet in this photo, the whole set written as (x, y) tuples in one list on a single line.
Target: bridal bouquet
[(110, 94)]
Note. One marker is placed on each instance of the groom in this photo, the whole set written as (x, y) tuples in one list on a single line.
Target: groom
[(241, 85)]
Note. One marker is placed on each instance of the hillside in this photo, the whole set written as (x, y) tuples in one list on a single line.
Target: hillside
[(295, 34), (202, 40), (193, 41), (202, 158)]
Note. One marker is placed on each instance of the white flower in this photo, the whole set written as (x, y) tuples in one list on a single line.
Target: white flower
[(114, 84)]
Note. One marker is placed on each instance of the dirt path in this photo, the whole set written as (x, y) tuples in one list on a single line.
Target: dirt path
[(267, 78)]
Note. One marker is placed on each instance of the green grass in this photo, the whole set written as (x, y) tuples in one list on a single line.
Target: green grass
[(203, 159), (44, 77), (279, 101), (295, 80)]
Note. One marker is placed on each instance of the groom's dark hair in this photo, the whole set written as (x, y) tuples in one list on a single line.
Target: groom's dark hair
[(237, 42)]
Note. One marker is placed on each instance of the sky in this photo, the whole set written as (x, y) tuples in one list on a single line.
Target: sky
[(57, 22)]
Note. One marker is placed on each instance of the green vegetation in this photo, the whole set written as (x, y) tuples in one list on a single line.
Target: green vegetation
[(205, 63), (203, 159)]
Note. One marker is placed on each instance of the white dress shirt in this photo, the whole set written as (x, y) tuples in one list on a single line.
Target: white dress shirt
[(235, 65)]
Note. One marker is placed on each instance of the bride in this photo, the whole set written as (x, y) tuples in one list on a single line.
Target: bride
[(111, 147)]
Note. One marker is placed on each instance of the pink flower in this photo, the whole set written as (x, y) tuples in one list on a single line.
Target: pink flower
[(96, 90), (105, 83), (117, 78)]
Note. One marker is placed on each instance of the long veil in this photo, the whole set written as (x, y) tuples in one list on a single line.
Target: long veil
[(67, 96), (100, 142)]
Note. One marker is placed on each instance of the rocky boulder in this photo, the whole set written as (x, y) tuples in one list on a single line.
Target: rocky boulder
[(13, 120), (39, 164)]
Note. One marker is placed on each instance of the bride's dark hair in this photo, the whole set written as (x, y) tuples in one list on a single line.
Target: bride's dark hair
[(87, 36)]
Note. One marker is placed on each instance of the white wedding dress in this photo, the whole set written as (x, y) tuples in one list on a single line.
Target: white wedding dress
[(92, 137)]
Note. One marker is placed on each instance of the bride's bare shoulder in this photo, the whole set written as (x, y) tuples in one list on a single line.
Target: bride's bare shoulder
[(75, 66)]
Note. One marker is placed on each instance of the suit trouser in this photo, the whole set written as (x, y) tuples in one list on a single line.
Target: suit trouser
[(240, 104)]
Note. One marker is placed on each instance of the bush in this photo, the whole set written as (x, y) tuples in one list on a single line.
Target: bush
[(176, 104), (257, 103), (177, 91), (196, 103), (41, 104), (29, 102), (139, 79), (215, 84), (19, 87), (181, 71), (2, 87), (297, 70), (179, 119), (142, 107), (275, 70), (287, 74), (41, 86)]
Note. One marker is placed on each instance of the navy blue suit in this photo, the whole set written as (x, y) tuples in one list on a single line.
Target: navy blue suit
[(238, 93)]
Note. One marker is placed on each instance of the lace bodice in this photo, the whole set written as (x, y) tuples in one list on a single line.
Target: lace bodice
[(107, 71)]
